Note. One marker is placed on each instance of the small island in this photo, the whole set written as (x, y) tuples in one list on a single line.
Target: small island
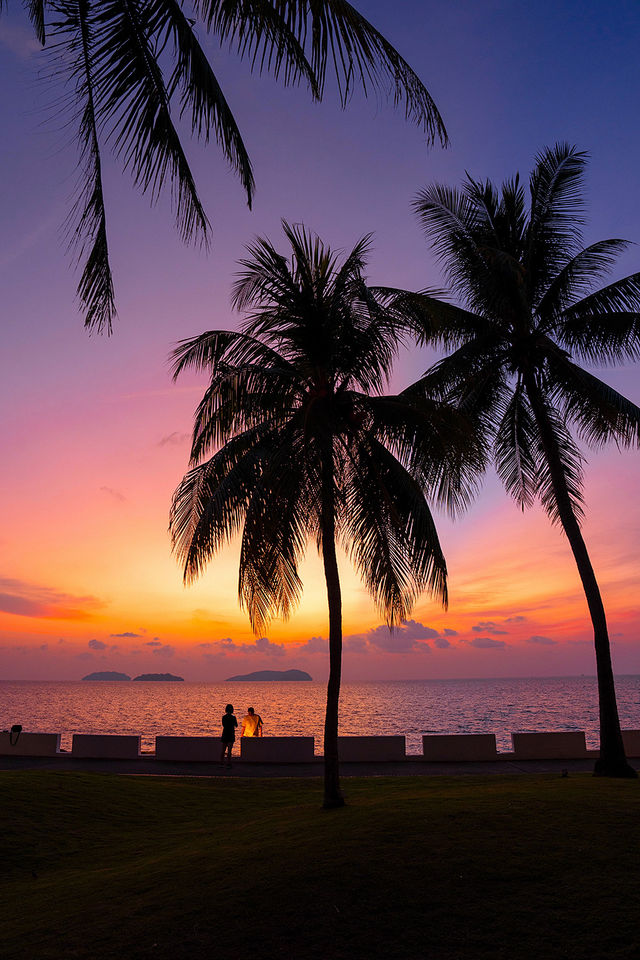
[(271, 675), (107, 675), (159, 676)]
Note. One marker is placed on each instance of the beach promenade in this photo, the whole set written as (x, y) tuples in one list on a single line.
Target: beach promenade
[(410, 767)]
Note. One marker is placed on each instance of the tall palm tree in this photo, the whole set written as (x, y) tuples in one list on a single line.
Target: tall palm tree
[(294, 440), (529, 313), (132, 69)]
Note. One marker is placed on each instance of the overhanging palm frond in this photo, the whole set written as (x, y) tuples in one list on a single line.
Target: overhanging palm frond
[(36, 11), (201, 94), (86, 224), (133, 43), (134, 107), (332, 31), (260, 32)]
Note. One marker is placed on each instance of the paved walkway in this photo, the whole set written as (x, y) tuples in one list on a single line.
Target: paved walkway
[(149, 766)]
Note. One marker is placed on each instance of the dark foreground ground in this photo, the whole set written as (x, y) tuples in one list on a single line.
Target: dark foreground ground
[(411, 767), (99, 866)]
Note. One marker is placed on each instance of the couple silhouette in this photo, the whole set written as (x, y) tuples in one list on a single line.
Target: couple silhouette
[(251, 727)]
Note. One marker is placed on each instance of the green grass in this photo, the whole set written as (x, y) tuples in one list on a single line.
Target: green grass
[(96, 866)]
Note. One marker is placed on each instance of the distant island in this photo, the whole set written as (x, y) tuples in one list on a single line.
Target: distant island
[(107, 675), (272, 675), (158, 676)]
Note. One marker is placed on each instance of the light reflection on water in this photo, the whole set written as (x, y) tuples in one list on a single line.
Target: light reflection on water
[(409, 707)]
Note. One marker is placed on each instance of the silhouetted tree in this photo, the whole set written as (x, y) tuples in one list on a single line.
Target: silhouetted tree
[(131, 67), (529, 315), (307, 447)]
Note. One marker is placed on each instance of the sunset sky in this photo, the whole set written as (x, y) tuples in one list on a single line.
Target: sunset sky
[(95, 436)]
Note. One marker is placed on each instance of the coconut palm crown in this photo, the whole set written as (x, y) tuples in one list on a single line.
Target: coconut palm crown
[(530, 312), (132, 70), (295, 441)]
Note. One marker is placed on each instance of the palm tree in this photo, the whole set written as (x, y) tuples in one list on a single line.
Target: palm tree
[(529, 313), (305, 446), (132, 68)]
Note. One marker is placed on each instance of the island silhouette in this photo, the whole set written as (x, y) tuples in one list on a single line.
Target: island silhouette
[(114, 675), (107, 675), (271, 675), (158, 676)]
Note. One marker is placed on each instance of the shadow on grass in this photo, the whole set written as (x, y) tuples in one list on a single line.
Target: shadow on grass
[(102, 867)]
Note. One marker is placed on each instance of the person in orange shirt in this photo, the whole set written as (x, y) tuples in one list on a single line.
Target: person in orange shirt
[(251, 724)]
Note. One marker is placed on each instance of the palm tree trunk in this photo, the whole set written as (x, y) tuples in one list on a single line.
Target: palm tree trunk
[(332, 793), (612, 761)]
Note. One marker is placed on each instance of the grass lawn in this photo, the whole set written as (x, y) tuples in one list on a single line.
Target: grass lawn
[(99, 866)]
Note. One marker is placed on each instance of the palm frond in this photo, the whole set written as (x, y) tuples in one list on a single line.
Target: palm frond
[(86, 224), (555, 222), (201, 94), (448, 219), (240, 399), (604, 327), (260, 32), (209, 505), (565, 453), (389, 532), (210, 350), (516, 446), (279, 521), (464, 375), (500, 217), (332, 32), (578, 277), (599, 412), (134, 108), (36, 12), (436, 443), (266, 281)]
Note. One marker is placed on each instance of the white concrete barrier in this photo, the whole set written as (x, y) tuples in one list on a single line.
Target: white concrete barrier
[(561, 745), (30, 745), (277, 749), (362, 749), (98, 746), (189, 749), (454, 747), (631, 741)]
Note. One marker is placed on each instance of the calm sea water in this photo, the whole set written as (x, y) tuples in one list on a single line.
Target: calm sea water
[(410, 707)]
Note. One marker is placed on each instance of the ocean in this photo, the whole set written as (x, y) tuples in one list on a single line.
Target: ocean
[(410, 707)]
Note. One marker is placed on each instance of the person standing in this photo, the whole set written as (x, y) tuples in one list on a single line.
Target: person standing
[(251, 724), (229, 724)]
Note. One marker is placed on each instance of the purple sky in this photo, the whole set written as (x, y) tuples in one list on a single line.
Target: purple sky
[(94, 434)]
